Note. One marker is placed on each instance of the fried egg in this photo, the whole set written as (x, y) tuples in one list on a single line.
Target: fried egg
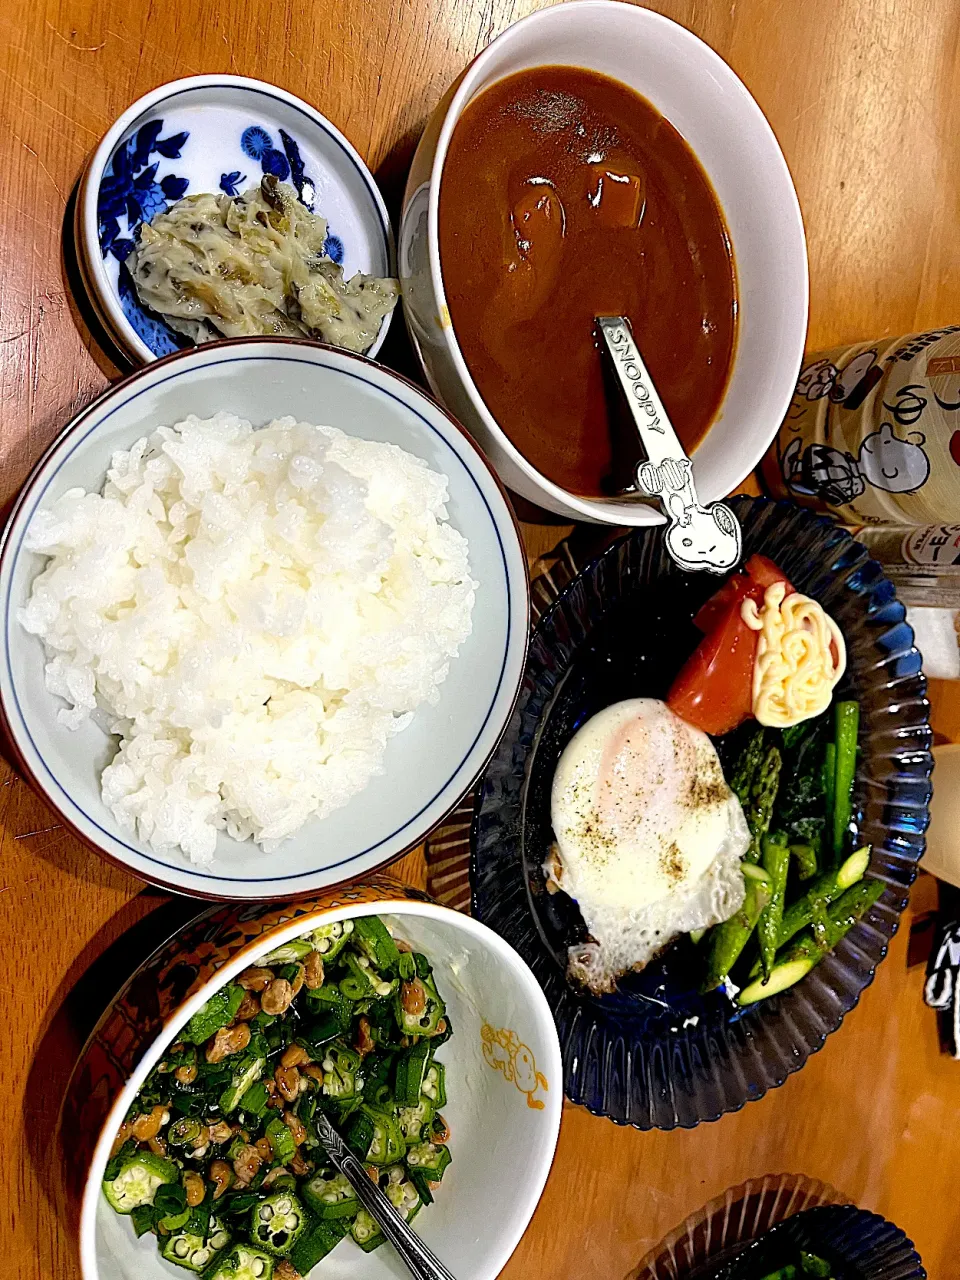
[(649, 837)]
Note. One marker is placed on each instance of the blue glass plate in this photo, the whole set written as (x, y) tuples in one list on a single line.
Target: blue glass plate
[(657, 1054), (859, 1244)]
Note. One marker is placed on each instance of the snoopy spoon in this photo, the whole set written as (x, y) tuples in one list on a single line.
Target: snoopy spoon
[(698, 537)]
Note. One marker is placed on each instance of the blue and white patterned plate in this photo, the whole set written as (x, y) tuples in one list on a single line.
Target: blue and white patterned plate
[(216, 133)]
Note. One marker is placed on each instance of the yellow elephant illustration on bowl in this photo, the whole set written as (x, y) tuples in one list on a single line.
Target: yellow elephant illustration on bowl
[(505, 1052)]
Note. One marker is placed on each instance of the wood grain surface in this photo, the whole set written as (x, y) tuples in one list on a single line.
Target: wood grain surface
[(863, 95)]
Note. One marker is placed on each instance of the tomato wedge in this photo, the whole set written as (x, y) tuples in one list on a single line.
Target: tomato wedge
[(730, 596), (758, 573), (714, 689)]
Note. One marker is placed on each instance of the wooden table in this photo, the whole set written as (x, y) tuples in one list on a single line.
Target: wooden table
[(863, 95)]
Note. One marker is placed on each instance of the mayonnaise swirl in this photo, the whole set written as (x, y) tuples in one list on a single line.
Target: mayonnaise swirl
[(800, 656)]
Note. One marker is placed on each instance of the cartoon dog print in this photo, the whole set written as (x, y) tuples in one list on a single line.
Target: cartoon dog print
[(887, 462), (824, 379), (884, 460), (505, 1052), (697, 536)]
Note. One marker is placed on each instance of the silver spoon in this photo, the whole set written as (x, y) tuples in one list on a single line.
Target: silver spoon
[(698, 537), (421, 1261)]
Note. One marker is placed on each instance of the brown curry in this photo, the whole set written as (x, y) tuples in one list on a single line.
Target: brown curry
[(566, 195)]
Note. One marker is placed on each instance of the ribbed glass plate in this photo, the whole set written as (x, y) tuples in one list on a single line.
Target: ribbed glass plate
[(744, 1231), (729, 1222), (657, 1054), (859, 1244)]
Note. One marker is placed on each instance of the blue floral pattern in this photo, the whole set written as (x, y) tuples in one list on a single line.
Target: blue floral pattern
[(150, 328), (256, 143), (130, 189), (131, 193), (230, 183)]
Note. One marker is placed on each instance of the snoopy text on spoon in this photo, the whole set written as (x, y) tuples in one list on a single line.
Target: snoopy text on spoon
[(698, 537)]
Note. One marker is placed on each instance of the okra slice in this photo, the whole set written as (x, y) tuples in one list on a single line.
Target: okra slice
[(138, 1181), (330, 939), (340, 1067), (289, 953), (316, 1242), (247, 1072), (401, 1193), (366, 1233), (435, 1084), (429, 1158), (275, 1223), (426, 1022), (243, 1263), (413, 1119), (411, 1072), (376, 1136), (195, 1252), (372, 938), (330, 1195), (363, 981)]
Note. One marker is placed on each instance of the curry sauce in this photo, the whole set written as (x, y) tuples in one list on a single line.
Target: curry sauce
[(565, 195)]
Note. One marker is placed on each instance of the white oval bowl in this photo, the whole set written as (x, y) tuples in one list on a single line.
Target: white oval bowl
[(502, 1138), (427, 767), (215, 110), (703, 99)]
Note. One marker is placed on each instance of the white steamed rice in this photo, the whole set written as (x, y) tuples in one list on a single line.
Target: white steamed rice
[(256, 612)]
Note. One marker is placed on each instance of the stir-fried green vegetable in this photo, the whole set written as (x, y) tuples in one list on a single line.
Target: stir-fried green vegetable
[(728, 940), (804, 889), (805, 1265), (763, 796), (219, 1155), (776, 863), (847, 722)]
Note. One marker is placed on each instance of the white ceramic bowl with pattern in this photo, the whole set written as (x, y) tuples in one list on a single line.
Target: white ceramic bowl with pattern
[(430, 765), (220, 134), (503, 1075), (703, 99)]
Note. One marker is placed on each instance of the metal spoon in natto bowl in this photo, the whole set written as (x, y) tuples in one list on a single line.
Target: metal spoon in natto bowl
[(420, 1260), (698, 536)]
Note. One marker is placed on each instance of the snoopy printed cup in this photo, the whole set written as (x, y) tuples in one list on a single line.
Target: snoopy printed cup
[(872, 434), (503, 1071), (703, 99)]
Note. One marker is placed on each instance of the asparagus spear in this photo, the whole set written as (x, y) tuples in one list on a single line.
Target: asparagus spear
[(776, 863), (763, 795), (727, 940), (847, 721), (829, 791), (802, 955), (826, 888), (806, 856), (745, 770)]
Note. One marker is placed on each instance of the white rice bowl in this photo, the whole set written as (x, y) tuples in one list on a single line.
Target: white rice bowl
[(255, 613)]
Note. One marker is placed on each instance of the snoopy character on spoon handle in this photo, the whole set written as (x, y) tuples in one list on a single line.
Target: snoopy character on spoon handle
[(698, 536)]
